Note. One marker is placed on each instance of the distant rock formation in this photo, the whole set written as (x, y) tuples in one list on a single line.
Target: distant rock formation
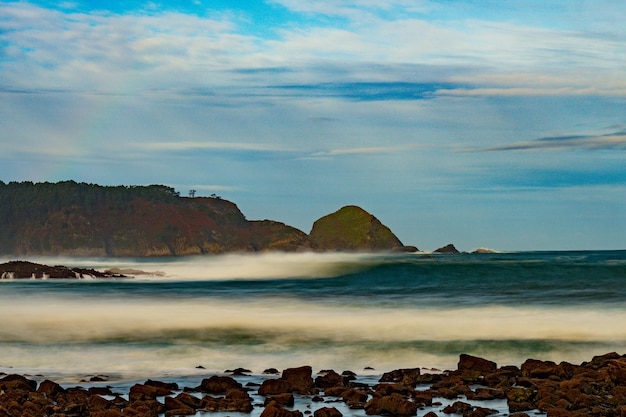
[(448, 249), (352, 228), (79, 219), (485, 250), (26, 270)]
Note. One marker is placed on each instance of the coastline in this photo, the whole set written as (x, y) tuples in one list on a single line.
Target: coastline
[(477, 387)]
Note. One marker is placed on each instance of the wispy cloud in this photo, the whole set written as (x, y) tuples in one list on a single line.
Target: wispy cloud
[(610, 141), (221, 146), (354, 8), (363, 151)]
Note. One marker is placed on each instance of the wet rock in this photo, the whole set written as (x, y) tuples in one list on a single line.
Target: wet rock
[(172, 386), (285, 399), (355, 398), (175, 405), (423, 398), (274, 409), (274, 387), (403, 376), (142, 392), (458, 407), (236, 400), (394, 404), (17, 382), (616, 369), (534, 368), (238, 371), (329, 379), (147, 408), (327, 412), (98, 405), (297, 380), (335, 391), (348, 375), (521, 399), (50, 389), (388, 389), (474, 363), (300, 379), (218, 385)]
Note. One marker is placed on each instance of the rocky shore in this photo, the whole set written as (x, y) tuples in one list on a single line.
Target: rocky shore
[(594, 388), (30, 270)]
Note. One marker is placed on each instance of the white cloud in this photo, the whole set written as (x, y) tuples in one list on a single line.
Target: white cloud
[(126, 53)]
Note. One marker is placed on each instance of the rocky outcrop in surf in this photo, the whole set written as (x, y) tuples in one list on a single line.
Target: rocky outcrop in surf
[(448, 249), (26, 270)]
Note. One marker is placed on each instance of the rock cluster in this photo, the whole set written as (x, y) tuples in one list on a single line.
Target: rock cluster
[(595, 388), (25, 270)]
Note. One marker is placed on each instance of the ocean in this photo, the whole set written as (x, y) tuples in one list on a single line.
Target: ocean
[(369, 313)]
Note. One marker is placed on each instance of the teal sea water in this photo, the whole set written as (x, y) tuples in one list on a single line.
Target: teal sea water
[(340, 311)]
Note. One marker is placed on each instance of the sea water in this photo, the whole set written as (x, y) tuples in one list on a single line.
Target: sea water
[(369, 313)]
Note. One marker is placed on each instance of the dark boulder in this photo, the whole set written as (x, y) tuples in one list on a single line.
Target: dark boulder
[(394, 404), (218, 385), (329, 379), (327, 412), (274, 409), (448, 249), (474, 363)]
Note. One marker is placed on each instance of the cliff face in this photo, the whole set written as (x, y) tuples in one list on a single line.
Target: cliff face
[(352, 228), (78, 219), (85, 220)]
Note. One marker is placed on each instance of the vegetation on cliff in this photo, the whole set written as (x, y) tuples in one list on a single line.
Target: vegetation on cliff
[(79, 219), (70, 218)]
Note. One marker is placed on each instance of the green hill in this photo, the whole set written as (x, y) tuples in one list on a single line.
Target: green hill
[(352, 228)]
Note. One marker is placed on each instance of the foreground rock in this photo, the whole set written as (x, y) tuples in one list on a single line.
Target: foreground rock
[(594, 388), (24, 270)]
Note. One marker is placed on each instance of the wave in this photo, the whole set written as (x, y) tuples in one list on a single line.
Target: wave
[(134, 336), (38, 320), (264, 265)]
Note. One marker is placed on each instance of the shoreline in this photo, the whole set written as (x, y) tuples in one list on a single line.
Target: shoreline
[(477, 387)]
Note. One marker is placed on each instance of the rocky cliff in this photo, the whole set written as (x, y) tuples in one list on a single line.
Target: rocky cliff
[(78, 219)]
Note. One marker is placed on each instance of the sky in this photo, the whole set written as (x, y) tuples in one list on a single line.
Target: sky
[(482, 123)]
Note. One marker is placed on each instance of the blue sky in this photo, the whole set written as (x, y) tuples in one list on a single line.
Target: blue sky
[(488, 123)]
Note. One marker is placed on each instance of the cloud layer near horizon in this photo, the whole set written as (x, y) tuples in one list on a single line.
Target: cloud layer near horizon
[(411, 109)]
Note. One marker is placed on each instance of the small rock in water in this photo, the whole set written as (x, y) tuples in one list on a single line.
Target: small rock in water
[(238, 371)]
